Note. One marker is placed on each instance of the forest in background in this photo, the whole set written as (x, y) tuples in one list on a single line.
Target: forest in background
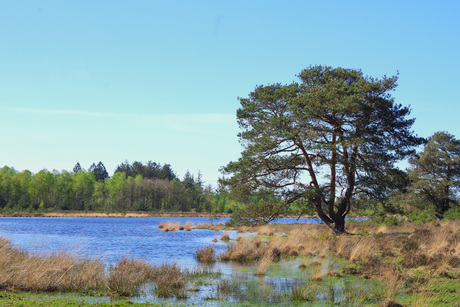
[(429, 191), (133, 187)]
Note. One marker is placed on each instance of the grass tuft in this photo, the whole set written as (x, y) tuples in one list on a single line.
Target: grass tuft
[(127, 276), (205, 255), (188, 226), (225, 237)]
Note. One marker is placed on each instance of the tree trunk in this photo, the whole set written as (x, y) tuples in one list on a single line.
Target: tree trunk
[(339, 225), (335, 221)]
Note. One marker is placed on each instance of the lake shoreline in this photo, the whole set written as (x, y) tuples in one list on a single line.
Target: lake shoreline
[(112, 214), (127, 214)]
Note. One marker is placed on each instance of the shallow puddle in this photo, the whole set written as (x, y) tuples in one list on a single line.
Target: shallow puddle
[(284, 284)]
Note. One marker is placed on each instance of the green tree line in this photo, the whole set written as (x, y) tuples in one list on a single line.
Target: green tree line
[(133, 187)]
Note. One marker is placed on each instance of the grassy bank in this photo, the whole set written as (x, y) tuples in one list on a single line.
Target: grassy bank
[(14, 298)]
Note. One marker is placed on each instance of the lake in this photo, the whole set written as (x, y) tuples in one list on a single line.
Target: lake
[(111, 239)]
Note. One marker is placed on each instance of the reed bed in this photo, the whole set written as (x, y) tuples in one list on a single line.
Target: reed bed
[(64, 272), (400, 257), (58, 271), (438, 243)]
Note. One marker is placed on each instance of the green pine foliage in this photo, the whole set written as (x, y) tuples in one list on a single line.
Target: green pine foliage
[(333, 136), (435, 177)]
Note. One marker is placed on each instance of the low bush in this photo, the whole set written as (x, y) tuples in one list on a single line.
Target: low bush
[(452, 214), (424, 216)]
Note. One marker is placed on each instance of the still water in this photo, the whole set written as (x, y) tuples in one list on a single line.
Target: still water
[(111, 239)]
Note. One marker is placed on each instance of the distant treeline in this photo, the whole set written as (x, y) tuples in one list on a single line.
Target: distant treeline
[(133, 187)]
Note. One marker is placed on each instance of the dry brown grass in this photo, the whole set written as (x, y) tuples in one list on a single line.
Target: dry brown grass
[(256, 241), (173, 226), (216, 227), (315, 263), (244, 251), (188, 226), (19, 270), (127, 276), (243, 229), (378, 249), (225, 237), (363, 248), (264, 263), (51, 272), (240, 238), (393, 284), (205, 255), (317, 275), (170, 226), (266, 230), (169, 280)]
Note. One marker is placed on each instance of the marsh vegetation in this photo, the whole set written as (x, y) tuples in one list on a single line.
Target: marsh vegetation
[(408, 264)]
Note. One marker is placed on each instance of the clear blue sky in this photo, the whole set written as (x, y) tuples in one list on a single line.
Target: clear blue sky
[(90, 81)]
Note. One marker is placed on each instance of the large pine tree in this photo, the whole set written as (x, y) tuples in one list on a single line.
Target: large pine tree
[(324, 140)]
